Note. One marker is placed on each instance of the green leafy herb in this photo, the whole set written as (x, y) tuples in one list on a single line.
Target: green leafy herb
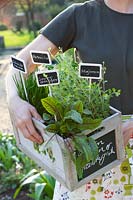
[(75, 106), (35, 93)]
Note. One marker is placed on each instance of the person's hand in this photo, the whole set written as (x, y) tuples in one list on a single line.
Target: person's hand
[(127, 129), (22, 113)]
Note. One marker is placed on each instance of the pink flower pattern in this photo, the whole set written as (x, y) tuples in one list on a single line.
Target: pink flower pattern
[(107, 189)]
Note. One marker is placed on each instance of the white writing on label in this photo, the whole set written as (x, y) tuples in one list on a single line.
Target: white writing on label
[(40, 57), (48, 80), (20, 65), (104, 151), (89, 72)]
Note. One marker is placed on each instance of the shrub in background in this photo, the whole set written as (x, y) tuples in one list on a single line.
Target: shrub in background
[(3, 27), (17, 169), (13, 163)]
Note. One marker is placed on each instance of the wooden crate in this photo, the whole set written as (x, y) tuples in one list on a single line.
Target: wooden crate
[(111, 152)]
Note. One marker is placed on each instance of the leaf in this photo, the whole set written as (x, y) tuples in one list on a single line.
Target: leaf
[(30, 174), (33, 171), (15, 158), (91, 123), (80, 163), (87, 112), (88, 151), (78, 106), (49, 188), (60, 109), (74, 115), (67, 108), (32, 195), (47, 198), (46, 117), (63, 128), (53, 128), (52, 106), (17, 192), (39, 187), (72, 126), (31, 179), (48, 179), (94, 148), (81, 144)]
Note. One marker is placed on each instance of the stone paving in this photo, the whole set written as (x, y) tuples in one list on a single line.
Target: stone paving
[(5, 124)]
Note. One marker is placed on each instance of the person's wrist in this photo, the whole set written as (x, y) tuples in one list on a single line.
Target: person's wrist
[(12, 100)]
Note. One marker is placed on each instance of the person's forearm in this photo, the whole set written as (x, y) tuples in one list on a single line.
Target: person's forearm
[(41, 43), (22, 112), (10, 84)]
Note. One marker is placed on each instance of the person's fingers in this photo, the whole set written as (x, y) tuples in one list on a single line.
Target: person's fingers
[(28, 136), (24, 126), (34, 113), (23, 121), (33, 132)]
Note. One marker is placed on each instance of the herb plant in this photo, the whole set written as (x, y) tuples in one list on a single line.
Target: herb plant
[(35, 93), (76, 106)]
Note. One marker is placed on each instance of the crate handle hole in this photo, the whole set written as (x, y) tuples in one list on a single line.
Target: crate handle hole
[(97, 130)]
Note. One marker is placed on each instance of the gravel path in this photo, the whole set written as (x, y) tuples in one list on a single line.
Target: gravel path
[(5, 124)]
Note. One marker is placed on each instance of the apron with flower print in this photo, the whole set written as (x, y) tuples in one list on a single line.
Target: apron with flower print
[(116, 184)]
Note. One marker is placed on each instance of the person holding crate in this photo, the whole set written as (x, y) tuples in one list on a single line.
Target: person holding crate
[(100, 30)]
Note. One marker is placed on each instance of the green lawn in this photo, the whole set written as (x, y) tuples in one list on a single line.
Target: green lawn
[(16, 39)]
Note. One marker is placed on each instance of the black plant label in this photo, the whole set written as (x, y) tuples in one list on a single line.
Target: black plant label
[(107, 154), (19, 64), (40, 57), (46, 78), (90, 70)]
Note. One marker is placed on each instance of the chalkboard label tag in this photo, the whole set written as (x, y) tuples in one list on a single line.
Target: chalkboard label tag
[(45, 78), (19, 64), (107, 154), (90, 70), (41, 57)]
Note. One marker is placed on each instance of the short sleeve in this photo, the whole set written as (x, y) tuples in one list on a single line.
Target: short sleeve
[(62, 29)]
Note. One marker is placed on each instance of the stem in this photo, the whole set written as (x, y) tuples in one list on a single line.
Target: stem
[(90, 90), (68, 144)]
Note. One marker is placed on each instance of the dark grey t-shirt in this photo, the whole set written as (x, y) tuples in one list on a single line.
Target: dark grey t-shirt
[(99, 34)]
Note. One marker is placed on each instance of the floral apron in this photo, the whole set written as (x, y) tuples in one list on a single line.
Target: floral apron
[(116, 184)]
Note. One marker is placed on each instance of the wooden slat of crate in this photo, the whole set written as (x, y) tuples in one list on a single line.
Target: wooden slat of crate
[(63, 168)]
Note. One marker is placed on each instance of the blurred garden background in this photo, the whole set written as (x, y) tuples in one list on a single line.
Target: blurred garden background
[(20, 21)]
